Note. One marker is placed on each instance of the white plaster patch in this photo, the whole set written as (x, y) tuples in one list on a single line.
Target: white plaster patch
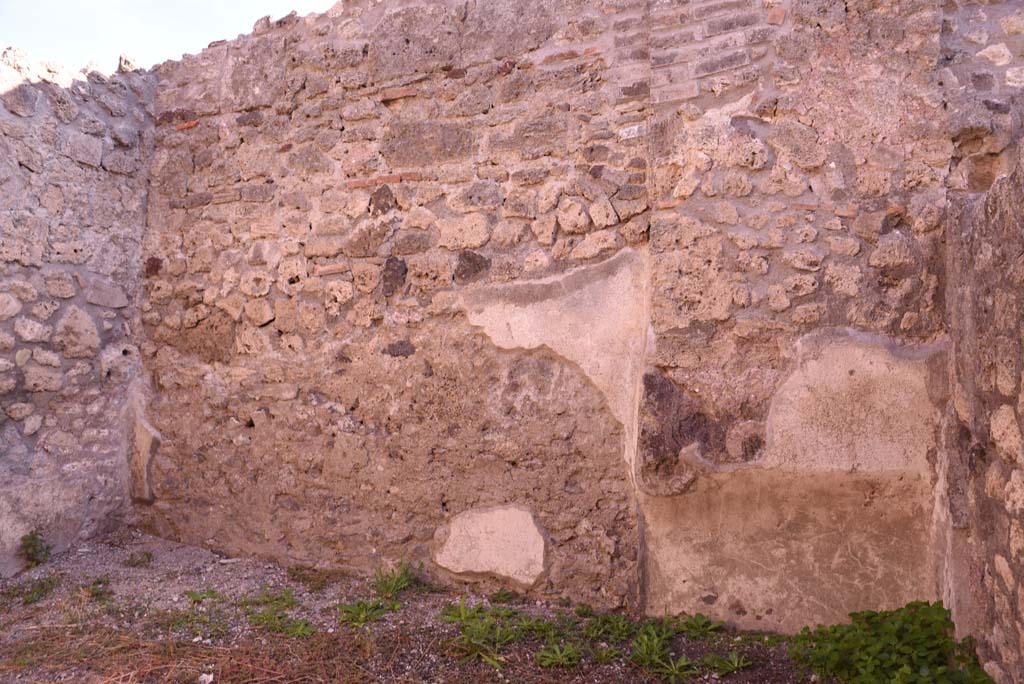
[(504, 541)]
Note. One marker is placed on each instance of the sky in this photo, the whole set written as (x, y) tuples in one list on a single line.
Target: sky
[(75, 33)]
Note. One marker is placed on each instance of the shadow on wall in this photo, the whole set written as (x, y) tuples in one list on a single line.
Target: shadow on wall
[(72, 212)]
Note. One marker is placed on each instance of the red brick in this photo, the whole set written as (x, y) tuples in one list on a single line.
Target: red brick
[(560, 57), (390, 94)]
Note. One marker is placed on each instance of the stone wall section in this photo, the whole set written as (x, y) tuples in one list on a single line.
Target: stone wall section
[(984, 434), (797, 194), (72, 211), (321, 394)]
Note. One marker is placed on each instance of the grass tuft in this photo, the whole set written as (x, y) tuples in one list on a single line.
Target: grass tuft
[(390, 583), (33, 549), (361, 613), (268, 611)]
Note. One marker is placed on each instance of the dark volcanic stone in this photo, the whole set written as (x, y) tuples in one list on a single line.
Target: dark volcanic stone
[(470, 265), (401, 348), (394, 276)]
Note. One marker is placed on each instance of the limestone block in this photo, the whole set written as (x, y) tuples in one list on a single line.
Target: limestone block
[(424, 143), (105, 293), (76, 334), (504, 541), (1015, 77), (595, 244), (998, 54), (84, 149), (256, 283), (467, 232), (799, 143), (29, 330), (42, 379), (572, 216), (9, 306), (602, 213), (1006, 434), (324, 246), (340, 291)]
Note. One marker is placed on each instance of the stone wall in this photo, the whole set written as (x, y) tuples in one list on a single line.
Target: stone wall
[(984, 434), (72, 213), (659, 304), (325, 256), (638, 282)]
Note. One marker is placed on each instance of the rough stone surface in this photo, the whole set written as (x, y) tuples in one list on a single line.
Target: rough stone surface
[(67, 223)]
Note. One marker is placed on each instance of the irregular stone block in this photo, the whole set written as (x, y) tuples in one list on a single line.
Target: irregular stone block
[(76, 334), (505, 541), (83, 148), (413, 39), (325, 246), (1006, 434), (9, 306), (20, 100), (42, 379), (393, 276), (424, 143), (105, 293), (29, 330), (466, 232)]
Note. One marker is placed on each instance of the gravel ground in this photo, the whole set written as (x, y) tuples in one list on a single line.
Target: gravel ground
[(135, 608)]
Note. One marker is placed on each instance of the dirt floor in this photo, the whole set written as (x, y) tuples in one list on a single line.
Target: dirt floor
[(134, 608)]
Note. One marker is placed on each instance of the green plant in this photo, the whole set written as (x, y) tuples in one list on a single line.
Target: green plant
[(505, 596), (280, 623), (196, 621), (279, 601), (482, 639), (33, 549), (390, 583), (609, 627), (139, 560), (361, 613), (559, 655), (204, 595), (38, 589), (678, 670), (529, 626), (910, 645), (31, 591), (723, 665), (606, 654), (98, 590), (462, 612), (650, 647), (584, 610), (268, 611), (566, 624), (700, 626)]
